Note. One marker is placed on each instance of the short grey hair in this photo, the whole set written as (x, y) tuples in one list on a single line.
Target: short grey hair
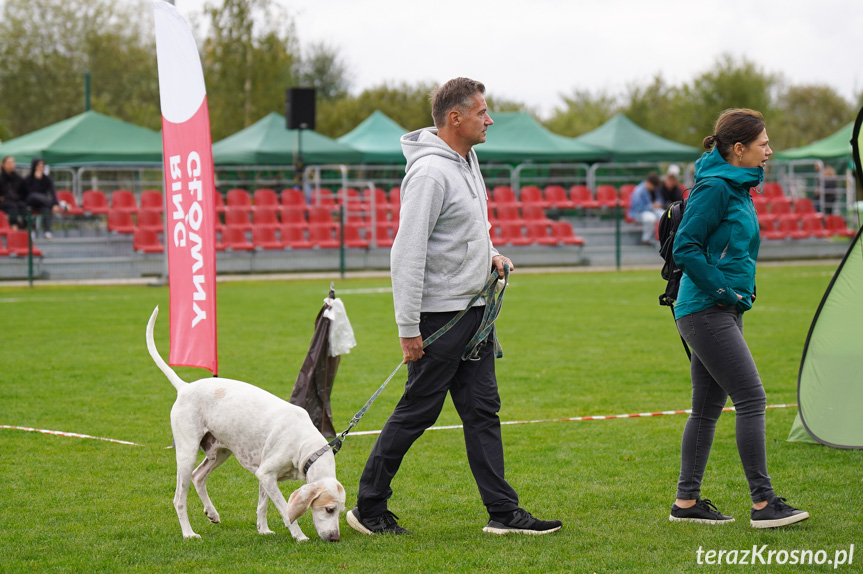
[(455, 94)]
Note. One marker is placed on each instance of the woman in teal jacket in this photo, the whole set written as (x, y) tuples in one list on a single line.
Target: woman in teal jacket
[(716, 246)]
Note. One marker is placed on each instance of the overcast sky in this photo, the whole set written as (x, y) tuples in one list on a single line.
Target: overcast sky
[(534, 51)]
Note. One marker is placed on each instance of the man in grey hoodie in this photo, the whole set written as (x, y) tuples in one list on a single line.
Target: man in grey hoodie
[(440, 259)]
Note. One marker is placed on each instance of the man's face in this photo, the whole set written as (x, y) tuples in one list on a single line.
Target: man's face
[(9, 165), (670, 181), (475, 121)]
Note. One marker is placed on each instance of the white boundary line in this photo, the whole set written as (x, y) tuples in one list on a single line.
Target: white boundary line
[(447, 427), (69, 434)]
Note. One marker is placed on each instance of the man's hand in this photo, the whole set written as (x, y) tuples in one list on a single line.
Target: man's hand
[(412, 348), (498, 260)]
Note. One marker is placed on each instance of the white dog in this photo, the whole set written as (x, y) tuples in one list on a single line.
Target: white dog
[(271, 438)]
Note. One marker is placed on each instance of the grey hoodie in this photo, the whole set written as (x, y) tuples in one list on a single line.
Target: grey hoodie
[(441, 256)]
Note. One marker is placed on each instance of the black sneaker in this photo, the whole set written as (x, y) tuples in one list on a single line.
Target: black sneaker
[(776, 514), (703, 512), (521, 522), (385, 523)]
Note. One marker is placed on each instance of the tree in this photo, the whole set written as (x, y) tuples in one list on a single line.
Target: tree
[(584, 112), (408, 105), (249, 58), (324, 69), (808, 113), (46, 47)]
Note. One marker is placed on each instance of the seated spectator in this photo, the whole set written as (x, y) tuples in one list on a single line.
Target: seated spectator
[(832, 202), (670, 190), (646, 207), (12, 193), (41, 195)]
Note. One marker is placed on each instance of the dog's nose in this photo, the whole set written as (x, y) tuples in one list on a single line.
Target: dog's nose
[(334, 538)]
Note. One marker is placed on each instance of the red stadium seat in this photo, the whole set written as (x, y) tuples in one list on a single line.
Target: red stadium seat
[(804, 207), (72, 207), (124, 200), (293, 197), (264, 237), (322, 236), (151, 220), (837, 226), (120, 222), (94, 202), (17, 242), (814, 225), (321, 216), (266, 217), (239, 200), (582, 198), (294, 215), (535, 213), (353, 237), (606, 195), (235, 239), (383, 237), (238, 218), (152, 200), (508, 212), (294, 237), (532, 195), (555, 196), (772, 189), (503, 194), (4, 224), (266, 198), (147, 241), (323, 197), (626, 194), (564, 234), (220, 203), (510, 234), (540, 233)]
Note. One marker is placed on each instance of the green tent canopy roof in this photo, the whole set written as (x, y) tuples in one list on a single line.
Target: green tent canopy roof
[(837, 145), (517, 136), (378, 138), (267, 142), (627, 142), (87, 138)]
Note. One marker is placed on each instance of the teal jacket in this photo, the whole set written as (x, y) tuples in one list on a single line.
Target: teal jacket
[(717, 242)]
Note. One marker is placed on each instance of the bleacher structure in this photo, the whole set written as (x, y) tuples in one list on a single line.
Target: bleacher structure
[(268, 230)]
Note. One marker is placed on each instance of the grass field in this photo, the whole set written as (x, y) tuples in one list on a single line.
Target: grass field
[(74, 359)]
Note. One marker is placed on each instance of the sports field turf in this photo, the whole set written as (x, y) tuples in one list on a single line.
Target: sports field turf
[(74, 359)]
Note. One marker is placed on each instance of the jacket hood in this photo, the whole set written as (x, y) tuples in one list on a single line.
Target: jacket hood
[(424, 142), (712, 164)]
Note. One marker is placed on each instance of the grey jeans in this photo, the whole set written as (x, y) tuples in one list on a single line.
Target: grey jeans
[(722, 366)]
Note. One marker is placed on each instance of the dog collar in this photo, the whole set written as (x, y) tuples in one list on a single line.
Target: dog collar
[(333, 445)]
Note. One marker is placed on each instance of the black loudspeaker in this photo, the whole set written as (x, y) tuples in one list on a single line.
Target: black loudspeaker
[(300, 108)]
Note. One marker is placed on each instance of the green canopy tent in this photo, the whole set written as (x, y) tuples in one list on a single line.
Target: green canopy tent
[(87, 138), (518, 137), (624, 141), (830, 381), (267, 142), (377, 137), (835, 146)]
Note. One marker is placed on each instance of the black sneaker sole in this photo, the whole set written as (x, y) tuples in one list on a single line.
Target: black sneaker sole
[(354, 523), (700, 520), (499, 529), (777, 522)]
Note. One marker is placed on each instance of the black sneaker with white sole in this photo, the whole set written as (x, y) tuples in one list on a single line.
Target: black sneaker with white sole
[(383, 524), (520, 521), (776, 514), (703, 512)]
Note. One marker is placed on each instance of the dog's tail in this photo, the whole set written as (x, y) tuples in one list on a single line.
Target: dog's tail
[(163, 366)]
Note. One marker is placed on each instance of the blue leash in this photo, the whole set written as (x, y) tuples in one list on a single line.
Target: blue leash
[(493, 304)]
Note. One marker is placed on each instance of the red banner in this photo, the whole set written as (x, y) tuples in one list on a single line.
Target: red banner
[(189, 193)]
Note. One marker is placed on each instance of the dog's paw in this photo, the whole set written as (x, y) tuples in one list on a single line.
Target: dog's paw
[(191, 536), (214, 517), (302, 538), (265, 531)]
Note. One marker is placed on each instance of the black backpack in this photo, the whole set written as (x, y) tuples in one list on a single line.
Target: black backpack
[(667, 231)]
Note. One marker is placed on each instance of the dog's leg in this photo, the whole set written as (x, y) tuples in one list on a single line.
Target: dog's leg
[(270, 486), (199, 478), (263, 527), (187, 454)]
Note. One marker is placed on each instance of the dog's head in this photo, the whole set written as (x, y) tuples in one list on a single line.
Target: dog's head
[(326, 498)]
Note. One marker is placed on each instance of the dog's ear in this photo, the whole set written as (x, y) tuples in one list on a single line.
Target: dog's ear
[(301, 499)]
